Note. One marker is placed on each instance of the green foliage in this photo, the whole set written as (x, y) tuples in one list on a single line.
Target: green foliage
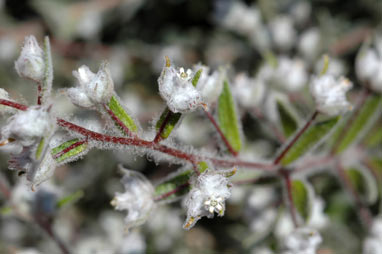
[(171, 120), (70, 199), (228, 119), (364, 183), (301, 199), (313, 135), (122, 115), (71, 153), (288, 120)]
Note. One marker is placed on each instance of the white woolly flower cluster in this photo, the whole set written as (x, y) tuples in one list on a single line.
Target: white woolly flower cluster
[(138, 198), (209, 85), (176, 88), (302, 241), (373, 243), (283, 32), (30, 63), (369, 68), (290, 74), (250, 92), (93, 89), (207, 196), (329, 94), (26, 136)]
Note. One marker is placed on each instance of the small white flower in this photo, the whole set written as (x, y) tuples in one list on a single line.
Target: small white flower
[(309, 45), (30, 63), (249, 92), (138, 198), (283, 32), (373, 243), (176, 89), (302, 241), (28, 126), (207, 196), (93, 88), (209, 85), (369, 68), (329, 94), (290, 74)]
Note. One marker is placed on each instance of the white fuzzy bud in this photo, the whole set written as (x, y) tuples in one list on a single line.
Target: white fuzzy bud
[(207, 196), (28, 126), (369, 68), (329, 94), (93, 88), (290, 74), (30, 63), (209, 85), (309, 44), (373, 243), (248, 91), (302, 241), (176, 88), (138, 198), (283, 32)]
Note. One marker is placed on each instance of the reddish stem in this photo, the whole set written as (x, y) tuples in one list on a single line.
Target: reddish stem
[(224, 138), (167, 194), (39, 94), (290, 204), (135, 141), (363, 212), (77, 144), (118, 121), (294, 140)]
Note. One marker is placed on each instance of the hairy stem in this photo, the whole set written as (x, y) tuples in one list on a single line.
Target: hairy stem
[(289, 197), (223, 137), (158, 136)]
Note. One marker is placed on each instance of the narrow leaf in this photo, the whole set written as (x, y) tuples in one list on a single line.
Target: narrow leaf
[(300, 195), (362, 120), (196, 77), (72, 198), (48, 71), (364, 183), (167, 122), (69, 149), (122, 115), (288, 120), (312, 136), (40, 148), (228, 119), (178, 181)]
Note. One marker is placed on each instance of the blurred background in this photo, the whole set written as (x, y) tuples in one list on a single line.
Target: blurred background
[(134, 36)]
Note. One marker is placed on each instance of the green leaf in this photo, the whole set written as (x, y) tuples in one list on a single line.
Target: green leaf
[(314, 134), (196, 77), (374, 138), (56, 152), (364, 117), (228, 119), (170, 120), (301, 198), (364, 183), (288, 119), (178, 180), (122, 115), (72, 198), (40, 148)]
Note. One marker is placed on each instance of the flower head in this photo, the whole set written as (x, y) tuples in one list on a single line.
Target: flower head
[(207, 196), (249, 92), (94, 88), (209, 85), (290, 74), (329, 94), (30, 63), (302, 241), (137, 199), (177, 90)]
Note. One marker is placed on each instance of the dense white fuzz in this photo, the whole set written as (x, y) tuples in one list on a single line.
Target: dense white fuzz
[(302, 240), (207, 196), (28, 126), (329, 94), (138, 198), (290, 74), (176, 89), (242, 18), (249, 92), (373, 243), (30, 63), (93, 89), (369, 68), (309, 44), (209, 85), (283, 32), (4, 96)]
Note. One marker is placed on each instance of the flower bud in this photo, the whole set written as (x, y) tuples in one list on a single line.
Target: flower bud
[(93, 88), (30, 63), (369, 68), (302, 240), (330, 94)]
